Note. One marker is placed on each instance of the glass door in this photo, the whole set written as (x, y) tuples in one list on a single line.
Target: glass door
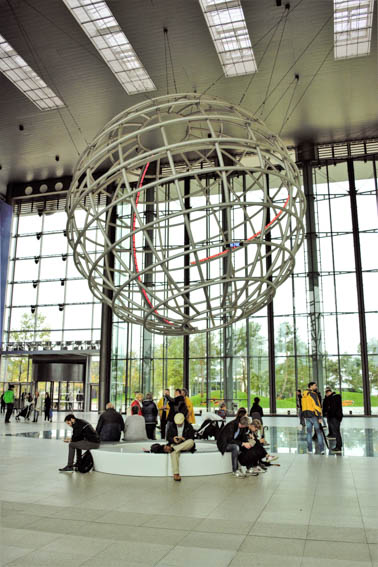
[(93, 404)]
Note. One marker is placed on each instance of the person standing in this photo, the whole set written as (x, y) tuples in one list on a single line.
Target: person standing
[(312, 412), (177, 405), (334, 411), (38, 406), (299, 409), (256, 410), (3, 404), (191, 418), (150, 413), (9, 401), (163, 407), (137, 402), (47, 407)]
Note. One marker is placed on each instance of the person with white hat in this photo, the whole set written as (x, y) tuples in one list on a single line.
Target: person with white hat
[(180, 437)]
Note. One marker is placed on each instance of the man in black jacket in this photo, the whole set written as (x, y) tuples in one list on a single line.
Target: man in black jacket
[(333, 410), (230, 440), (180, 437), (110, 424), (150, 413), (84, 437), (176, 405)]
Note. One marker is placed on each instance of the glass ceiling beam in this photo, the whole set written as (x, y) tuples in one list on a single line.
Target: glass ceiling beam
[(99, 24), (353, 21), (15, 68), (228, 29)]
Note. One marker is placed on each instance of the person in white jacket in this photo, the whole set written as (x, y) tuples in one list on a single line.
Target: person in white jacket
[(39, 402)]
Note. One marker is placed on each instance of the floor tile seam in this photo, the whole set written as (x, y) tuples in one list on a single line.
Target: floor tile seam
[(271, 496), (362, 517), (318, 471), (106, 545)]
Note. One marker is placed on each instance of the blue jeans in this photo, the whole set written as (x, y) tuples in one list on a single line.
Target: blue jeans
[(313, 421), (234, 450)]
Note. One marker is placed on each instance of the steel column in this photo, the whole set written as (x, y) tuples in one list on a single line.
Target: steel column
[(186, 283), (360, 289), (315, 310), (107, 324), (270, 313)]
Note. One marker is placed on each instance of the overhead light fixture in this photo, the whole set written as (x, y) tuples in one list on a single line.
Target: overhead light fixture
[(228, 29), (98, 22), (353, 21), (13, 66)]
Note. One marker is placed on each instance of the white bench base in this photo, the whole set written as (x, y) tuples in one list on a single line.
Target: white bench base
[(129, 459)]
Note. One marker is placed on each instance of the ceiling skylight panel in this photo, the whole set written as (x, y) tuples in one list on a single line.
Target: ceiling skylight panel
[(353, 21), (99, 24), (228, 29), (25, 79)]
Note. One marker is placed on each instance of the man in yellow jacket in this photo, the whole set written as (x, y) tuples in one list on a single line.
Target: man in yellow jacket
[(312, 412), (190, 418)]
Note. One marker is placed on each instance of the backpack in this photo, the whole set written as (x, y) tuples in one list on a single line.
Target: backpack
[(86, 462), (157, 448)]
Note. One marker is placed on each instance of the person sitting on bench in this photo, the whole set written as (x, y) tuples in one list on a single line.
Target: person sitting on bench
[(110, 424), (135, 426), (230, 440), (180, 437)]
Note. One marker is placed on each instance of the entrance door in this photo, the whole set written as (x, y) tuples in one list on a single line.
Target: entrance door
[(93, 404)]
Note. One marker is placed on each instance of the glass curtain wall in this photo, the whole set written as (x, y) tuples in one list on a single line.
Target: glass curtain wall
[(340, 353), (47, 298)]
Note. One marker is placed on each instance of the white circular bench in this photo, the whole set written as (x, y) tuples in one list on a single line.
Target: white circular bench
[(129, 459)]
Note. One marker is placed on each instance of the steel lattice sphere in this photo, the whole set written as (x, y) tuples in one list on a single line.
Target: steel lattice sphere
[(185, 214)]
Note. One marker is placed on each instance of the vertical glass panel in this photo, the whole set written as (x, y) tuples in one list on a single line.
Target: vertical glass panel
[(349, 334), (285, 382), (24, 294), (51, 316), (26, 270), (53, 243), (78, 317), (29, 246), (29, 224), (78, 290), (51, 292), (373, 374), (56, 221), (52, 268), (346, 290), (352, 391)]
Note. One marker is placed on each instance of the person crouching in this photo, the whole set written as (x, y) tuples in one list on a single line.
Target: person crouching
[(84, 437), (180, 437)]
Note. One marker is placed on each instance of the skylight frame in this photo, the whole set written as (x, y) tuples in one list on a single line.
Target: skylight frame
[(15, 68), (100, 26), (228, 29), (353, 22)]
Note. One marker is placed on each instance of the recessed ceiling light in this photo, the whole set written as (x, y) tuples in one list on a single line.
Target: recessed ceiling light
[(228, 29), (99, 24), (13, 66), (353, 21)]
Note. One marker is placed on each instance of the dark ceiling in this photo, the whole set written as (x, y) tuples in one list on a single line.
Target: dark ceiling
[(331, 101)]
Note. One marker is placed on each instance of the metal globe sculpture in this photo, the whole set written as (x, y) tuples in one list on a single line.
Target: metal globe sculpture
[(198, 210)]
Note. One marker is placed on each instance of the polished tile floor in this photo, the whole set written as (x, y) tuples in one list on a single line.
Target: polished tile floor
[(312, 510)]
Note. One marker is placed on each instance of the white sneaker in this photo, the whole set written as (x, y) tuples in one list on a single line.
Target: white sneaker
[(252, 472), (239, 474), (270, 458), (259, 470)]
